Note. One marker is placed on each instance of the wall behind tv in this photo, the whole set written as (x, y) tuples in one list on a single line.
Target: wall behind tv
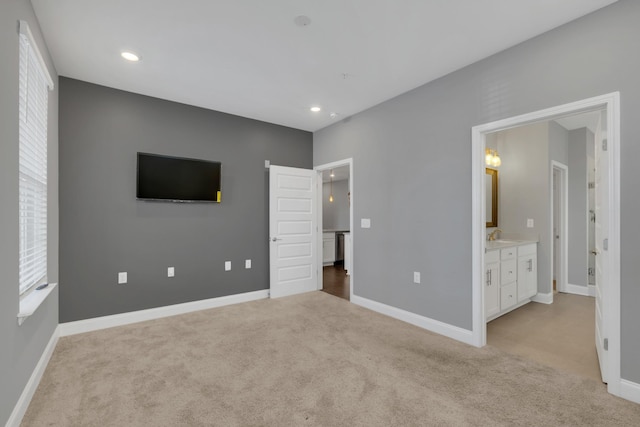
[(105, 230)]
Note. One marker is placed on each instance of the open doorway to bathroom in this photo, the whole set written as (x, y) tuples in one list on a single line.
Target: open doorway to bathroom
[(335, 208), (540, 323)]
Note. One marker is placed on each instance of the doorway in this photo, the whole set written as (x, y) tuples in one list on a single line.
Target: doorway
[(608, 312), (335, 228), (559, 228)]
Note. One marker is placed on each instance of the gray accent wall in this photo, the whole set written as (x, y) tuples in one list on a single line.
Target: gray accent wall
[(578, 211), (412, 164), (22, 346), (335, 216), (105, 230)]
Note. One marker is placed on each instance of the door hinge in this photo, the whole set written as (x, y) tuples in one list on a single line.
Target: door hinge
[(605, 244), (604, 145), (606, 344)]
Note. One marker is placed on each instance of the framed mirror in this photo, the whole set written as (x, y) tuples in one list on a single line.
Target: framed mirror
[(491, 197)]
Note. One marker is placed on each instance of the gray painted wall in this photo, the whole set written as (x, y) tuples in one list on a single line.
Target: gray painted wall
[(558, 143), (424, 136), (335, 216), (22, 346), (105, 230), (524, 189), (578, 212)]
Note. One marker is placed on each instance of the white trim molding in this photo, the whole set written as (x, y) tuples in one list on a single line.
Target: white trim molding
[(32, 385), (450, 331), (543, 298), (104, 322), (587, 291), (630, 390)]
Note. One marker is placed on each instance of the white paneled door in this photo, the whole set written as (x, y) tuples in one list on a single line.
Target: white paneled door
[(602, 233), (292, 231)]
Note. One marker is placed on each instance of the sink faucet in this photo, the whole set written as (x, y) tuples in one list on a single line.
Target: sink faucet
[(492, 235)]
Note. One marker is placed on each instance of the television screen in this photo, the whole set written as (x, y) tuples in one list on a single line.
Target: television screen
[(177, 179)]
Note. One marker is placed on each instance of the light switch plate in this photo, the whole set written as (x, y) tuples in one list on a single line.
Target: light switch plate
[(416, 277), (227, 265), (267, 164), (122, 278), (247, 264), (365, 222), (171, 272), (529, 222)]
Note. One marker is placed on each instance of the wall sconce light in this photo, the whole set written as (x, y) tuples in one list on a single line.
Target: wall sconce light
[(492, 158)]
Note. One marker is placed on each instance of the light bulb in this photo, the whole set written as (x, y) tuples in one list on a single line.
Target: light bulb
[(488, 158), (331, 198), (496, 159)]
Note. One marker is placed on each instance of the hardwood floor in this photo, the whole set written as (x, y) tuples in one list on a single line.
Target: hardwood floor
[(560, 335), (335, 281)]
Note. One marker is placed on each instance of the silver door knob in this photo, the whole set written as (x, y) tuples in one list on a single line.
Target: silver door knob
[(275, 239)]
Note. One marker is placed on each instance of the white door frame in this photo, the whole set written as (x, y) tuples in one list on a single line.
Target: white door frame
[(319, 169), (610, 102), (562, 270)]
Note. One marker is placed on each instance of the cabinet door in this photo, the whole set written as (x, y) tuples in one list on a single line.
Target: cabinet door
[(492, 289), (328, 250), (527, 277)]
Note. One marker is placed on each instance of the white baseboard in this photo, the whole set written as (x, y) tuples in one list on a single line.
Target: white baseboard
[(25, 398), (591, 290), (104, 322), (454, 332), (579, 290), (543, 298), (630, 391)]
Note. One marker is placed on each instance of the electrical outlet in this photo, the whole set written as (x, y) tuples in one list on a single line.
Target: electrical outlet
[(365, 223), (227, 265), (122, 278), (171, 272), (529, 222), (247, 264), (416, 277)]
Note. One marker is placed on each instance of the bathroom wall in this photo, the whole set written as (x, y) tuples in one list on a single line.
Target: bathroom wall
[(335, 215), (524, 190)]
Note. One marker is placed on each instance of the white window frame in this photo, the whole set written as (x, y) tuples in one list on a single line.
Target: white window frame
[(34, 84)]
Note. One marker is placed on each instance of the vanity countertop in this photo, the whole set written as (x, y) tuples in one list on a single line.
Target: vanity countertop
[(506, 243)]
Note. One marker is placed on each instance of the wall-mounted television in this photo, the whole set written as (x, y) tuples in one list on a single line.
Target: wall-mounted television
[(177, 179)]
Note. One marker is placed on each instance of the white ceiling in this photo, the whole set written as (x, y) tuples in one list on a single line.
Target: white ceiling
[(248, 57), (588, 120)]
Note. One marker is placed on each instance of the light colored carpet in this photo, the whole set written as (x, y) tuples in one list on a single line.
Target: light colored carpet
[(306, 360)]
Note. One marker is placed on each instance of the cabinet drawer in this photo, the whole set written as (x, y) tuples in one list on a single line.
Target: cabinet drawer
[(508, 271), (527, 249), (491, 256), (508, 253), (508, 296)]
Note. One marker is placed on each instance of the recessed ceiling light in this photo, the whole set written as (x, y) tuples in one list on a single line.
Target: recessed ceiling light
[(130, 56), (315, 109)]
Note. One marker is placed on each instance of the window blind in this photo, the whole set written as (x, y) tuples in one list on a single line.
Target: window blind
[(32, 207)]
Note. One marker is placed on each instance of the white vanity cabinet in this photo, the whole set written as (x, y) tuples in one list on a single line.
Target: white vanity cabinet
[(328, 248), (511, 278)]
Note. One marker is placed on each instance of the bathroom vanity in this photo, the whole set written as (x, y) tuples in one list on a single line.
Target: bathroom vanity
[(511, 277)]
